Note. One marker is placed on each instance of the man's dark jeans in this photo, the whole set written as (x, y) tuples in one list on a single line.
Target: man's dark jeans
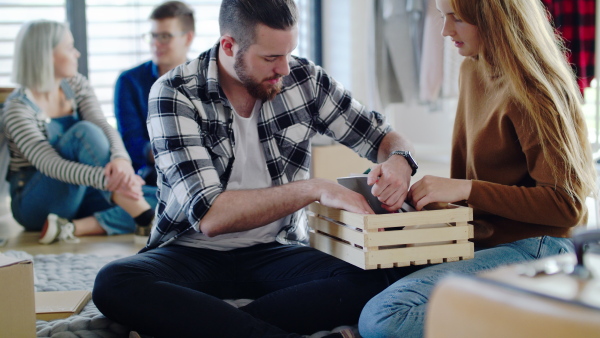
[(177, 291)]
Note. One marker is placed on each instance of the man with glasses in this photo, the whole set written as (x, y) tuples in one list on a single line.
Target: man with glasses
[(170, 38)]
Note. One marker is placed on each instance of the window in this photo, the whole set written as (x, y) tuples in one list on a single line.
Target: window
[(13, 14), (114, 30)]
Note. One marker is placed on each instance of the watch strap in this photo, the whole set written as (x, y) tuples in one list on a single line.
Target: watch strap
[(411, 161)]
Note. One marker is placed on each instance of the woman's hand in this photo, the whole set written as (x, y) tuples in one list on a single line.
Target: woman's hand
[(118, 172), (438, 189), (133, 189)]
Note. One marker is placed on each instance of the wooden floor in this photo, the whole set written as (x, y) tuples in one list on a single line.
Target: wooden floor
[(20, 240), (27, 241)]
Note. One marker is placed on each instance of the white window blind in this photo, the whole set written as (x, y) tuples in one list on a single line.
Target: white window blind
[(13, 13), (114, 30), (114, 39)]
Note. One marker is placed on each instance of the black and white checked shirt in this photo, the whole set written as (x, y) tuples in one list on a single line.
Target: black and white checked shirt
[(189, 123)]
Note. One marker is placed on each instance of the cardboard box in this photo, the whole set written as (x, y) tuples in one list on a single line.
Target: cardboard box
[(335, 161), (17, 307), (60, 304)]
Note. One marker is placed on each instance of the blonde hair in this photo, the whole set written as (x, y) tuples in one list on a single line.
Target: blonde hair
[(33, 63), (519, 42)]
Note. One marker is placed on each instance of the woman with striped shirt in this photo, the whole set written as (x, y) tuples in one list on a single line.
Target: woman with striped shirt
[(70, 174)]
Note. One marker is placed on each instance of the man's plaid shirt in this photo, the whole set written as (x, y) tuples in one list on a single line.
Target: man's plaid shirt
[(189, 123)]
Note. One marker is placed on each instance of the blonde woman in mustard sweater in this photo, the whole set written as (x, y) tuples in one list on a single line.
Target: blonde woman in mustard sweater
[(521, 158)]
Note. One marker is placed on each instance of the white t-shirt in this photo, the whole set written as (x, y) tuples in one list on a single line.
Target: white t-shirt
[(249, 172)]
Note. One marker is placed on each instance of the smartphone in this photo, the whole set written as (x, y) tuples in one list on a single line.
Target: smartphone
[(358, 183)]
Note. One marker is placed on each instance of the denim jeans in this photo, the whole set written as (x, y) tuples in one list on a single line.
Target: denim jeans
[(35, 195), (176, 291), (399, 311)]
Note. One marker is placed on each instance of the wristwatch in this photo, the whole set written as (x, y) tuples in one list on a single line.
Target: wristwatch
[(411, 161)]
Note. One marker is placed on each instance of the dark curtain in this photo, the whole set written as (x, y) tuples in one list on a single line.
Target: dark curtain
[(575, 20)]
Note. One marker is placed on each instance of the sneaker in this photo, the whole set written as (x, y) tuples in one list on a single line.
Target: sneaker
[(141, 234), (58, 228)]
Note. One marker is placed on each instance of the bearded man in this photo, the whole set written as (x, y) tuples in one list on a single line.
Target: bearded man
[(230, 132)]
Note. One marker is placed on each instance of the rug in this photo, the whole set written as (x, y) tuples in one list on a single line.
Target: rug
[(67, 272)]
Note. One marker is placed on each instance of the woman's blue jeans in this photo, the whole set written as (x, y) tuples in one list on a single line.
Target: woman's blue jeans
[(35, 195), (399, 311)]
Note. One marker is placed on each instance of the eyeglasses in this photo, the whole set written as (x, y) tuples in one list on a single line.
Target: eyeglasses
[(162, 38)]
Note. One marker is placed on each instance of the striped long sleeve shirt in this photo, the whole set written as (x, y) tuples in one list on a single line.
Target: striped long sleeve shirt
[(25, 127)]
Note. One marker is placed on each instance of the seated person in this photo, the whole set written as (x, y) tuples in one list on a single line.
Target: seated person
[(70, 174), (520, 156), (231, 132), (170, 39)]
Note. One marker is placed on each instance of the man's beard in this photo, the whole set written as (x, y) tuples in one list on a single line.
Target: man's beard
[(256, 89)]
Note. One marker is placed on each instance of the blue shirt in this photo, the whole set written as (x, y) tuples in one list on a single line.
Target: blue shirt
[(131, 110), (190, 124)]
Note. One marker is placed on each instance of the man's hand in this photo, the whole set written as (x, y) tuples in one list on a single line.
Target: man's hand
[(336, 196), (390, 181), (431, 189)]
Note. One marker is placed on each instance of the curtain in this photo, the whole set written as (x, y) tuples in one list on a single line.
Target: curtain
[(410, 61), (575, 20), (398, 35), (432, 62)]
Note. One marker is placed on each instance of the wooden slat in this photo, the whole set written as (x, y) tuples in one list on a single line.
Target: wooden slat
[(420, 253), (417, 218), (349, 218), (336, 230), (374, 222), (414, 236), (395, 237), (373, 259), (338, 249)]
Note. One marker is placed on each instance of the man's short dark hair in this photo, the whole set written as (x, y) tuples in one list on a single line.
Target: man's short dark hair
[(239, 18), (175, 9)]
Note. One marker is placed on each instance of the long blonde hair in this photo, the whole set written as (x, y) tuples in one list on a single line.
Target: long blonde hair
[(519, 42)]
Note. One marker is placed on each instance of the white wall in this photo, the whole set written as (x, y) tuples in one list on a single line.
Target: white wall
[(345, 57)]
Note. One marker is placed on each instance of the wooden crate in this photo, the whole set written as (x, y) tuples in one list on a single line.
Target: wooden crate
[(410, 238)]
